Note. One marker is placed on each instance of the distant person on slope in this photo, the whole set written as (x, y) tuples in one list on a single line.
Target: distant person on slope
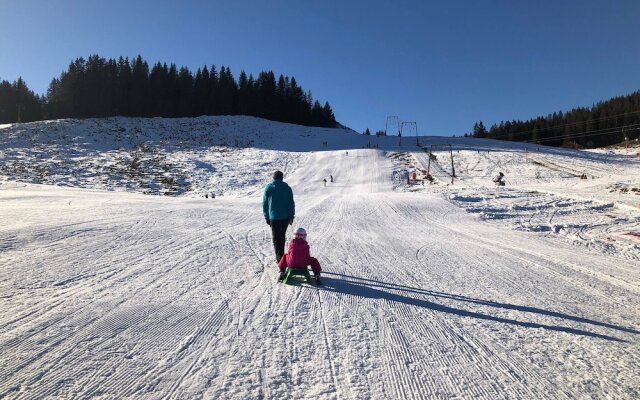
[(499, 179), (278, 208), (298, 256)]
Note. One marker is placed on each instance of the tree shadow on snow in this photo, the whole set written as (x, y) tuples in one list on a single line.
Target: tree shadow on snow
[(370, 288)]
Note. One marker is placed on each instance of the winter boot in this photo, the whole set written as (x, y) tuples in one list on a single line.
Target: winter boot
[(318, 279), (283, 274)]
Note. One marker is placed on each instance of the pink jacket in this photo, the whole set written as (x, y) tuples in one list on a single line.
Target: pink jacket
[(298, 254)]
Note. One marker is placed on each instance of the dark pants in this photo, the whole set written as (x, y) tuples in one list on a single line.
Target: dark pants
[(278, 232)]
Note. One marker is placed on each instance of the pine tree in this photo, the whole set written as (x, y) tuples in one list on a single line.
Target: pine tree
[(479, 130), (329, 118), (267, 94), (125, 80), (199, 93), (228, 92), (98, 87), (317, 114), (18, 103), (184, 93), (212, 107), (139, 87), (244, 92), (158, 91)]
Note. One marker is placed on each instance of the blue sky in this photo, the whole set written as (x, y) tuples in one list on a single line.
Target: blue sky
[(443, 64)]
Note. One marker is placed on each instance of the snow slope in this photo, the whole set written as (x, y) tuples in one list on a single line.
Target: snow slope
[(434, 291)]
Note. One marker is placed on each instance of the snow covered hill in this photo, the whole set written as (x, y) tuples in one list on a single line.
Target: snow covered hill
[(186, 156), (433, 289)]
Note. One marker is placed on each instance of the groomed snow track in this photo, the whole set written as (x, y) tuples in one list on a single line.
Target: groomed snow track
[(115, 295)]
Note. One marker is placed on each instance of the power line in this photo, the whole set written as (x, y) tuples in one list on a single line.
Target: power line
[(585, 134), (577, 135)]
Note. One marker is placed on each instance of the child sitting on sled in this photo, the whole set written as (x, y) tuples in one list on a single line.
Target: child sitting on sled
[(298, 256)]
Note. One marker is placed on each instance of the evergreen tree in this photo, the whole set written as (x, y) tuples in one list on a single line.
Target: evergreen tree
[(267, 95), (18, 103), (329, 118), (252, 87), (227, 92), (184, 93), (280, 98), (479, 130), (244, 92), (54, 105), (97, 87), (317, 115), (212, 106), (139, 87), (111, 89), (173, 91), (125, 78), (159, 90), (199, 93)]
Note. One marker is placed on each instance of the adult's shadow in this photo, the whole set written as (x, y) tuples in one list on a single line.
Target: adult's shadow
[(369, 288)]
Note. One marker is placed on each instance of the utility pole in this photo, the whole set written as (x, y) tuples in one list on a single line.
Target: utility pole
[(626, 142), (453, 169)]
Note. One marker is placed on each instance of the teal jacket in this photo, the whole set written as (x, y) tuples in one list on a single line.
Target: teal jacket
[(277, 201)]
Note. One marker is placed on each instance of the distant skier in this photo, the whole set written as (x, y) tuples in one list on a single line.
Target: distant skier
[(325, 181), (299, 257), (331, 177), (278, 208), (498, 179)]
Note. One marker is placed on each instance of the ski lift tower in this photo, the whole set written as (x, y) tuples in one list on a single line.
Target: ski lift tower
[(435, 147), (392, 125), (408, 128)]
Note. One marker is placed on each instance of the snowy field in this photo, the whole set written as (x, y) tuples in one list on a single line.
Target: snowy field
[(119, 279)]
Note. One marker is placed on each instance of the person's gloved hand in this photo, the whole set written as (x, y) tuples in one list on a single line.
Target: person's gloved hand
[(268, 222)]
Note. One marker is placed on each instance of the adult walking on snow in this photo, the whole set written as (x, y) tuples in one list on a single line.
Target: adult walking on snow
[(279, 210)]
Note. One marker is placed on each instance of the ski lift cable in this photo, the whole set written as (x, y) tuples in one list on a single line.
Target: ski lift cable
[(584, 134)]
